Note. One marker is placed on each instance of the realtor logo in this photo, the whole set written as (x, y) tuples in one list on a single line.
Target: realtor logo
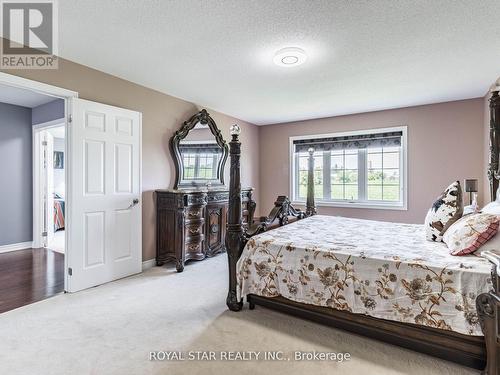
[(29, 32)]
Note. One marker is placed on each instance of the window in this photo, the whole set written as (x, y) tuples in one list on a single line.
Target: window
[(200, 166), (200, 161), (358, 169)]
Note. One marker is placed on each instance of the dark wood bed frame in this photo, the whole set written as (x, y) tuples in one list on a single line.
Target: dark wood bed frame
[(480, 352)]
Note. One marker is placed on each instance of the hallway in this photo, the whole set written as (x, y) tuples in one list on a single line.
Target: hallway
[(28, 276)]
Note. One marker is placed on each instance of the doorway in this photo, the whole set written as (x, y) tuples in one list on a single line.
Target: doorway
[(49, 185), (102, 191), (29, 270)]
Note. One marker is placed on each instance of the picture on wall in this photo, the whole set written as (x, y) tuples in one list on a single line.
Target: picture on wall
[(58, 160)]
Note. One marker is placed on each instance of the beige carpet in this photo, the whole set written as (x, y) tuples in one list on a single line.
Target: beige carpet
[(112, 328)]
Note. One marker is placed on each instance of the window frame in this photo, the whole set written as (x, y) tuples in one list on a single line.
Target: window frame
[(385, 205)]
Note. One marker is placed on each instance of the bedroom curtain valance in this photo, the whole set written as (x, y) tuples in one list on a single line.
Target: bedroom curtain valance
[(387, 139)]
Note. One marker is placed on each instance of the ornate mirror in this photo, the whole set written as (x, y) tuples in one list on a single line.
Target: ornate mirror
[(200, 153)]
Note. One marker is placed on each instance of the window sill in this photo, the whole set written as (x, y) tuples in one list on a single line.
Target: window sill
[(377, 206)]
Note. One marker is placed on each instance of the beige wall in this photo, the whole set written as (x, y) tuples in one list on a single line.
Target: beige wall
[(162, 115), (445, 143)]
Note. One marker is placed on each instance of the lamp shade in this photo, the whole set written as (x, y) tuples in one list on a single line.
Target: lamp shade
[(471, 186)]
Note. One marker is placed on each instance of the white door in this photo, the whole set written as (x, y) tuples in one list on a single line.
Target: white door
[(104, 211)]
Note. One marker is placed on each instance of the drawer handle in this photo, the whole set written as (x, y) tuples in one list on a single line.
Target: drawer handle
[(193, 246), (194, 231)]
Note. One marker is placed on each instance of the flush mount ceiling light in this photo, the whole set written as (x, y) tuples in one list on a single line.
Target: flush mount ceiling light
[(290, 56)]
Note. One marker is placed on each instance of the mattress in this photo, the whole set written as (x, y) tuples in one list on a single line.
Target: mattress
[(381, 269)]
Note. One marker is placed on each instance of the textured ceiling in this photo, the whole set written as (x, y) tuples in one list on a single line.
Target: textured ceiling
[(362, 55)]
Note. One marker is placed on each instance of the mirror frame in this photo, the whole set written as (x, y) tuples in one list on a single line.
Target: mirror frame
[(204, 118)]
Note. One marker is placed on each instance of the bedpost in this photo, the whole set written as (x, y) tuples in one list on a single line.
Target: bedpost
[(488, 304), (493, 173), (310, 205), (488, 310), (234, 232)]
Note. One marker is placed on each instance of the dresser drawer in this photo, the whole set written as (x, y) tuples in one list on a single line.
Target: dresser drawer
[(194, 229), (194, 247), (194, 213), (196, 199), (195, 244), (218, 197)]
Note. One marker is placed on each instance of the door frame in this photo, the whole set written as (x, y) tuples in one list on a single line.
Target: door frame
[(67, 96), (38, 178)]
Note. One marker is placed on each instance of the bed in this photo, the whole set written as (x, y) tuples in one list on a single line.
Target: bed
[(381, 280), (390, 272)]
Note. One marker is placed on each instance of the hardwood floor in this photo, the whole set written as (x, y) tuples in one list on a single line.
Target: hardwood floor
[(31, 275)]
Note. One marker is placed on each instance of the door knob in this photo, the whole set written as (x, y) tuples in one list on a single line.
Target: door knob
[(134, 202)]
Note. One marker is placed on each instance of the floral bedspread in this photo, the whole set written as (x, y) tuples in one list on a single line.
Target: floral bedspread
[(385, 270)]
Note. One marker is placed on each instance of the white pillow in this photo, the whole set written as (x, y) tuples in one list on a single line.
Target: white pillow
[(492, 244), (470, 233), (492, 208)]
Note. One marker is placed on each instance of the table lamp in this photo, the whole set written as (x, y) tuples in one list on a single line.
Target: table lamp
[(471, 187)]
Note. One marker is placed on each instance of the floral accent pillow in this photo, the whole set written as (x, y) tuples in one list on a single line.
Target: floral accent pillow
[(447, 209), (470, 232)]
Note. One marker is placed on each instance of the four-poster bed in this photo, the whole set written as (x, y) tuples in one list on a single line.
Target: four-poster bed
[(459, 339)]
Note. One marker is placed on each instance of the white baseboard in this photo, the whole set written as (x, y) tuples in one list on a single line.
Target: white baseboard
[(16, 246), (147, 264)]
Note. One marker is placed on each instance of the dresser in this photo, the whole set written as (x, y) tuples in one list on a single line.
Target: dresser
[(191, 225)]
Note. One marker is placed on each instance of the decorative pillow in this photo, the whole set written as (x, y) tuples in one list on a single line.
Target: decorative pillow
[(492, 208), (492, 244), (447, 209), (470, 232)]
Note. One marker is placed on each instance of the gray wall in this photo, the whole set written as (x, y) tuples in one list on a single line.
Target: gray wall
[(48, 112), (16, 187)]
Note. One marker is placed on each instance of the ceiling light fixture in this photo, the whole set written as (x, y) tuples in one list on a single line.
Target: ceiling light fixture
[(290, 56)]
